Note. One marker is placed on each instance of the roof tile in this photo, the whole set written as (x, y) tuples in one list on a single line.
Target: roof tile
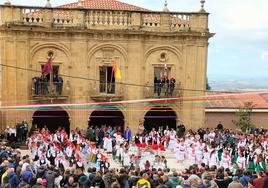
[(103, 4)]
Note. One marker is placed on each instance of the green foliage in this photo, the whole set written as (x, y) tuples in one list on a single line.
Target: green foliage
[(243, 114), (208, 87)]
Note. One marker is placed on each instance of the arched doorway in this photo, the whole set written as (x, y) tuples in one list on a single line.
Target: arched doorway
[(110, 117), (52, 118), (160, 116)]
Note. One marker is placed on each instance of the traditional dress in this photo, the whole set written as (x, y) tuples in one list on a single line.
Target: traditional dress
[(206, 157), (109, 145), (173, 140), (126, 159), (181, 152), (199, 155), (241, 162), (191, 156), (213, 159), (251, 163), (225, 161)]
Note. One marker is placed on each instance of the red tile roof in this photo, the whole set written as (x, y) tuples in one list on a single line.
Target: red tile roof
[(103, 4), (236, 100)]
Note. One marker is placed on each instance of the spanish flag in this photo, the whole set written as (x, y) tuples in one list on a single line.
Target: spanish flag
[(117, 72)]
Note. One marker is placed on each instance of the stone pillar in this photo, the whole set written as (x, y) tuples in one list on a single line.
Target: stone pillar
[(9, 14), (79, 119), (136, 20), (79, 18), (134, 117), (199, 22), (165, 21), (48, 17)]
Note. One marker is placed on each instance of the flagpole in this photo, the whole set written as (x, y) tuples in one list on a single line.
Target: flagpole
[(112, 78), (51, 76)]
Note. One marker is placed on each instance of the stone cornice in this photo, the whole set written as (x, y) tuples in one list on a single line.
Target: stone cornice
[(104, 34)]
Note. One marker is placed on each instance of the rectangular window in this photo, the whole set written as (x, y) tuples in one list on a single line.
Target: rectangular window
[(107, 80), (160, 72)]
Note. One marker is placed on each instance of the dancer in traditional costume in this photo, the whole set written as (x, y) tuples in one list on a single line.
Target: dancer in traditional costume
[(225, 160), (241, 161), (213, 158), (181, 152), (191, 155)]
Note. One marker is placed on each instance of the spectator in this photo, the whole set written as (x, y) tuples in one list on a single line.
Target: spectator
[(143, 182), (175, 180), (39, 183), (235, 183), (13, 179)]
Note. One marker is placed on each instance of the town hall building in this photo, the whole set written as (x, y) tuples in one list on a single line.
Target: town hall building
[(161, 56)]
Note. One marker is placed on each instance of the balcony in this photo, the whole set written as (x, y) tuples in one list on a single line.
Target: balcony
[(106, 92), (98, 19), (163, 91), (49, 91)]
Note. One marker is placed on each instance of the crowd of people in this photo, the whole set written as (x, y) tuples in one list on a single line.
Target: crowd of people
[(207, 158), (17, 133)]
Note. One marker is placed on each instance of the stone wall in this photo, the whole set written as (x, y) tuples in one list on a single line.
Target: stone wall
[(81, 46)]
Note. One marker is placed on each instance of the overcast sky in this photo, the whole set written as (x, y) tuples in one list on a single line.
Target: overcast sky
[(239, 50)]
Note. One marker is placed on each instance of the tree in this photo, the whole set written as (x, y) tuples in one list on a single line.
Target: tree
[(244, 120), (208, 87)]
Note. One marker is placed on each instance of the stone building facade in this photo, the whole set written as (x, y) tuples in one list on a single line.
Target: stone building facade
[(86, 41)]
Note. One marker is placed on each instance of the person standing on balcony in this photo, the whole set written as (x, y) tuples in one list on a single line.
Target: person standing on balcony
[(60, 85), (44, 85), (55, 84), (172, 86), (159, 85), (155, 84)]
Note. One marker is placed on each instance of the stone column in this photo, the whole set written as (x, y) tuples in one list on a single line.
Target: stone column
[(79, 18), (165, 21), (136, 20), (48, 17)]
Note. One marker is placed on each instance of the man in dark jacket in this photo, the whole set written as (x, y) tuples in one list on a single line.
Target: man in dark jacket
[(100, 138), (50, 177)]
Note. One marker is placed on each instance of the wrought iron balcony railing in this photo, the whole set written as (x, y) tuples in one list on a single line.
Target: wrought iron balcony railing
[(52, 90), (109, 91), (163, 91)]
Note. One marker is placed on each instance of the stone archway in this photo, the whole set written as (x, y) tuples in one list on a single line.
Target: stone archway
[(110, 117), (53, 119), (160, 116)]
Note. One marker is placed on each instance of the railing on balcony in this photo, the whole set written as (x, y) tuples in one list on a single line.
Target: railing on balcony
[(106, 91), (163, 91), (104, 19), (44, 90)]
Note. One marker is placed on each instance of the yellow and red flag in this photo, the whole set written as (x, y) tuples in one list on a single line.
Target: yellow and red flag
[(117, 72)]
